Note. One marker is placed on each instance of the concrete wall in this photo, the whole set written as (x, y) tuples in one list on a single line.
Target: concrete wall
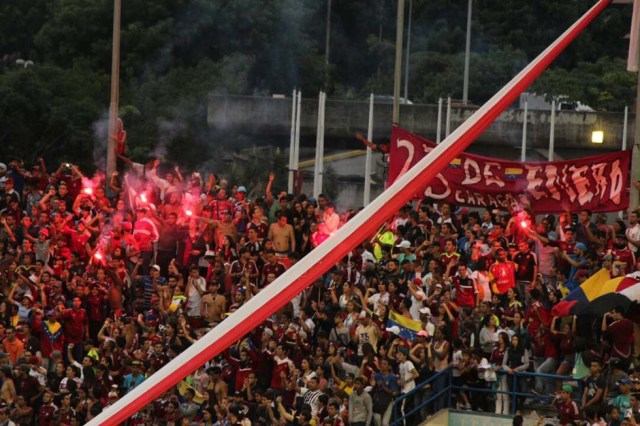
[(270, 116), (469, 418)]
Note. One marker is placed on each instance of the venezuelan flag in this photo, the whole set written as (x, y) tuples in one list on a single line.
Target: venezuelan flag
[(408, 327), (513, 173), (455, 164)]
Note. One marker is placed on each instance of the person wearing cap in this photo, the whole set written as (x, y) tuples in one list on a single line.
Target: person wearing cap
[(241, 203), (406, 252), (623, 401), (577, 260), (134, 378), (4, 416), (568, 411)]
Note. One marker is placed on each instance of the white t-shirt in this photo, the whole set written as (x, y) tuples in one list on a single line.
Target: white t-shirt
[(481, 281), (407, 382), (379, 299), (633, 233), (195, 300)]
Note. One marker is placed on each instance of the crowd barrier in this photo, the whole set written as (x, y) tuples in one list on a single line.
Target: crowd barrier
[(438, 392)]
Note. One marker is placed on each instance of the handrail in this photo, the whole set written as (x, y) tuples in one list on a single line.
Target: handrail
[(513, 391)]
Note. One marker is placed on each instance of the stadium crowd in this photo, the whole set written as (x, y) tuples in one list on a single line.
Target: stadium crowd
[(98, 292)]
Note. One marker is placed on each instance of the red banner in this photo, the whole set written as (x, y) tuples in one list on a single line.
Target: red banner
[(598, 183)]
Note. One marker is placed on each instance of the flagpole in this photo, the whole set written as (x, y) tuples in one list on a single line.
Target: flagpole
[(523, 150), (367, 164), (552, 133)]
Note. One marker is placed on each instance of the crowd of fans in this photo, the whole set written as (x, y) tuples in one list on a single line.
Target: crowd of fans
[(99, 292)]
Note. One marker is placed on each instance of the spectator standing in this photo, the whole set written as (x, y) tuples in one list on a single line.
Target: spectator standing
[(196, 287), (526, 264), (360, 405)]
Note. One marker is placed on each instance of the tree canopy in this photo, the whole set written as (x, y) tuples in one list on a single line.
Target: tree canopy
[(175, 52)]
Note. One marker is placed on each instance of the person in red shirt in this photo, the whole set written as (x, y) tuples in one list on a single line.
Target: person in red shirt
[(623, 258), (450, 258), (502, 274), (272, 266), (75, 323), (465, 290), (47, 410), (568, 411), (621, 333)]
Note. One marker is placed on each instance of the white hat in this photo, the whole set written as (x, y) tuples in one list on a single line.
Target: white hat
[(156, 267), (404, 244), (395, 330), (425, 311), (3, 167)]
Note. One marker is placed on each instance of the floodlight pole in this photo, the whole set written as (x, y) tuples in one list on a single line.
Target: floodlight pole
[(115, 89)]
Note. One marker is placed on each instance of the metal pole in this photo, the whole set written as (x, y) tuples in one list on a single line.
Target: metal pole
[(397, 75), (625, 128), (634, 193), (439, 124), (552, 133), (115, 89), (316, 170), (296, 153), (367, 164), (406, 61), (467, 53), (624, 147), (324, 103), (292, 141), (447, 129), (327, 43), (523, 151)]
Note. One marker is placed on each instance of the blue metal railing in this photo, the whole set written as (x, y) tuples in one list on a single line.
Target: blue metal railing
[(438, 396)]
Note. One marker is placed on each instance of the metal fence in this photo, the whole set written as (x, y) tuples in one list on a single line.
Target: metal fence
[(439, 390)]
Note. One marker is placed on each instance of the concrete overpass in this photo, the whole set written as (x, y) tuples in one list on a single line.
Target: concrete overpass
[(271, 117)]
